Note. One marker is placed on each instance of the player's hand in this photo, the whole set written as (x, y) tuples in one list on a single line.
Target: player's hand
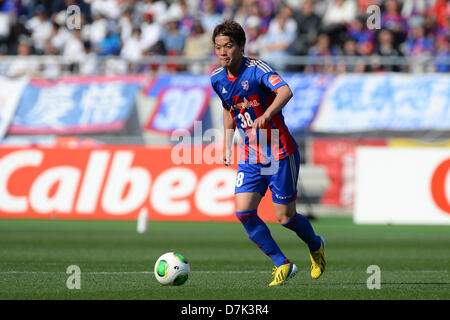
[(226, 159), (260, 122)]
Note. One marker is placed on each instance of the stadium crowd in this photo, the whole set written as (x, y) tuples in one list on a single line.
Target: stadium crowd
[(322, 30)]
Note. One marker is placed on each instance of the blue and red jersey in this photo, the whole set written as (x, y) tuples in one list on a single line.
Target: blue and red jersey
[(248, 96)]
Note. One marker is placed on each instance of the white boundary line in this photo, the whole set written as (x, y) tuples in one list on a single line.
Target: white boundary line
[(199, 271)]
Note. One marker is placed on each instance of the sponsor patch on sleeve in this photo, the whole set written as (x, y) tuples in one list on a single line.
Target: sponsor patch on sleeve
[(274, 79)]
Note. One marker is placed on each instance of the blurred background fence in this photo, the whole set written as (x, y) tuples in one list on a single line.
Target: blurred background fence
[(52, 67)]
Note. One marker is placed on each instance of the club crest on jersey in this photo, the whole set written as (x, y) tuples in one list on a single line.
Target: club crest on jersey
[(245, 85)]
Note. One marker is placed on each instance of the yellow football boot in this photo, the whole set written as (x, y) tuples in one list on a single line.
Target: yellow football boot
[(318, 262), (283, 273)]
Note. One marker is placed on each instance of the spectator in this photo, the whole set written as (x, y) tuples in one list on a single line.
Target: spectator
[(250, 8), (385, 48), (109, 9), (157, 8), (320, 7), (340, 12), (338, 15), (280, 36), (351, 61), (227, 8), (73, 51), (418, 43), (419, 46), (111, 44), (125, 24), (89, 64), (10, 7), (198, 45), (430, 25), (132, 49), (40, 28), (172, 37), (391, 19), (177, 8), (321, 56), (308, 25), (22, 65), (180, 9), (411, 8), (267, 10), (151, 35), (442, 54), (58, 39), (98, 30), (253, 36), (210, 17), (441, 10), (174, 41), (363, 37)]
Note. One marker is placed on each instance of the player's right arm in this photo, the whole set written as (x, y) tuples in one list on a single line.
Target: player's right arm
[(228, 127)]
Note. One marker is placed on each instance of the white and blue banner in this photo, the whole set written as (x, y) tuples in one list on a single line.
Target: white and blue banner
[(391, 102), (321, 103), (75, 105)]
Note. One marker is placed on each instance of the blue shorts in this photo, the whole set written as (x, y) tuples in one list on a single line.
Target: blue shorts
[(280, 176)]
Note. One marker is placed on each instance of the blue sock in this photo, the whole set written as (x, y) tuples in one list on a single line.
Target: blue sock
[(259, 233), (302, 227)]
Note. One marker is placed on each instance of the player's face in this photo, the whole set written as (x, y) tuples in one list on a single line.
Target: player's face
[(228, 52)]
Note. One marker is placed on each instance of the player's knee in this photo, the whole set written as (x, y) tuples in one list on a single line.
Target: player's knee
[(284, 212), (284, 218)]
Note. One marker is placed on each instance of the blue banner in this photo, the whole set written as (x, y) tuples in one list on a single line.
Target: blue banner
[(76, 104), (308, 90), (179, 108), (177, 80)]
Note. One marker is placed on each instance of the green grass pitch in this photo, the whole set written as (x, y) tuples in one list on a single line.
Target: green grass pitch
[(117, 263)]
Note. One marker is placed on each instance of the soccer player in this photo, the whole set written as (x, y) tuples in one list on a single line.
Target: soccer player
[(252, 96)]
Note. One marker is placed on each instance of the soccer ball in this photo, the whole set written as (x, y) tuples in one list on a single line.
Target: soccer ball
[(172, 269)]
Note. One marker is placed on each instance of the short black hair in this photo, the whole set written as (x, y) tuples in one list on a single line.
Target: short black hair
[(230, 29)]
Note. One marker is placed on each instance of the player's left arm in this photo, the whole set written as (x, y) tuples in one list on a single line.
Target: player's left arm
[(284, 94)]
